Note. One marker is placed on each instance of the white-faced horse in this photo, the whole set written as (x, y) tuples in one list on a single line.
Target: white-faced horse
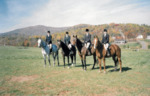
[(46, 52)]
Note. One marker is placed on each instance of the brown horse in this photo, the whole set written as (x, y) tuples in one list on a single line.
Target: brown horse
[(101, 53), (82, 51)]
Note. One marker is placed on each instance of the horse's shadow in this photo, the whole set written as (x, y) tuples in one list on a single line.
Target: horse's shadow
[(109, 66), (81, 65), (124, 69)]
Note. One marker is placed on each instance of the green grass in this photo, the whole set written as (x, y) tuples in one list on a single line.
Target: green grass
[(22, 73), (131, 45)]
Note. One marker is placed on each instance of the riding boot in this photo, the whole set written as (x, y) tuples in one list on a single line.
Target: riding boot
[(50, 50), (108, 51), (71, 52)]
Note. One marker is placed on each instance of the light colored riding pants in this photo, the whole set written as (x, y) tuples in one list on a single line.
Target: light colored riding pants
[(50, 46), (87, 45), (106, 46), (69, 46)]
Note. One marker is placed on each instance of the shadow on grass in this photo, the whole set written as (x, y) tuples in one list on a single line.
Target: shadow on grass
[(109, 66), (81, 65), (124, 69)]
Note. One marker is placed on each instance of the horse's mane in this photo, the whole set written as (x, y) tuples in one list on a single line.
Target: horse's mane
[(99, 46), (43, 43), (64, 47)]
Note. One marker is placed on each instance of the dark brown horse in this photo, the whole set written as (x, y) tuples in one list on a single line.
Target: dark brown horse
[(82, 51), (115, 51)]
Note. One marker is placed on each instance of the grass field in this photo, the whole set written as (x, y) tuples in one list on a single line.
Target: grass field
[(22, 73)]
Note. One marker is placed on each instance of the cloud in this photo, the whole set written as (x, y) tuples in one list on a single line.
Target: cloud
[(59, 13)]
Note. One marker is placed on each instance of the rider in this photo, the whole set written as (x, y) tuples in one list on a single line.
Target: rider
[(87, 41), (49, 39), (105, 41), (67, 40)]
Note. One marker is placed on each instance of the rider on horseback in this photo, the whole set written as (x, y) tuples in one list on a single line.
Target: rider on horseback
[(49, 40), (87, 41), (105, 41), (67, 41)]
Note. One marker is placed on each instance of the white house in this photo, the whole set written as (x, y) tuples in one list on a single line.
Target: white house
[(139, 37), (148, 37), (120, 41)]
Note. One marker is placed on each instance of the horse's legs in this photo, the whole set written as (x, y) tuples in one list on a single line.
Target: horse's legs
[(120, 62), (94, 57), (104, 65), (72, 60), (54, 56), (58, 59), (115, 61), (84, 62), (64, 60), (81, 57), (75, 58), (44, 60), (100, 68), (68, 61), (49, 60)]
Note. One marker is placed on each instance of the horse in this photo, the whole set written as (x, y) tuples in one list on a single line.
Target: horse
[(82, 51), (66, 52), (46, 51), (101, 53)]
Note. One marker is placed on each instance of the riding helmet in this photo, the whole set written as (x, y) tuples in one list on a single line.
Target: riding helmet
[(67, 32), (87, 30), (105, 30), (48, 31)]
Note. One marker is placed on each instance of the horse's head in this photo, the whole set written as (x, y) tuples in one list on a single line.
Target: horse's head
[(74, 40), (59, 43), (39, 42), (95, 41)]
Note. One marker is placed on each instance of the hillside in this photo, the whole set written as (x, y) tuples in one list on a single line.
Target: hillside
[(29, 34), (40, 30)]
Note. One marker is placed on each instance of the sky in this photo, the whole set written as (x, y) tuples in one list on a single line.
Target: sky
[(62, 13)]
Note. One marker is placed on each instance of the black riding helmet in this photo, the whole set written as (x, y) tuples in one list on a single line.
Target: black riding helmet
[(105, 30), (87, 30), (48, 31), (67, 32)]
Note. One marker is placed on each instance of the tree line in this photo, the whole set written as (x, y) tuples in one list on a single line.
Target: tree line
[(130, 31)]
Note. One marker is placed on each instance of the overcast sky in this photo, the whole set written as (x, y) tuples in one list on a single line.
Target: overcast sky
[(59, 13)]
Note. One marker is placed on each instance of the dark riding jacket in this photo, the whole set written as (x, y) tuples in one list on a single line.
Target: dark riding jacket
[(105, 39), (87, 38), (67, 40), (48, 39)]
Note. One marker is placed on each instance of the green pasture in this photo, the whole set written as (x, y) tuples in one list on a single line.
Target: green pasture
[(22, 72)]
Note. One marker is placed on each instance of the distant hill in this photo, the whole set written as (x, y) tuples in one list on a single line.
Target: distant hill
[(28, 35), (40, 30)]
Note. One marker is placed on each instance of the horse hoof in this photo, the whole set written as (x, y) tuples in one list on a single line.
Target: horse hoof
[(68, 67), (120, 71), (104, 72), (72, 65)]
